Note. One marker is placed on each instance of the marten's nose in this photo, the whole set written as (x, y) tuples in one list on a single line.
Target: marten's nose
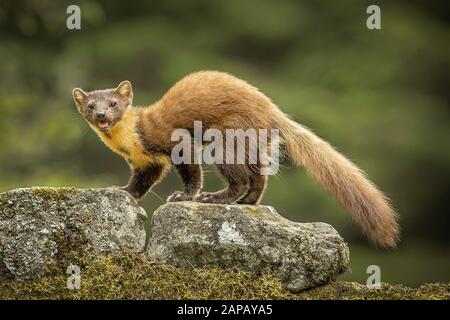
[(101, 115)]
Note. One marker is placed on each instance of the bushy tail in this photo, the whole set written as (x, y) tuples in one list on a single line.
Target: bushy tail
[(368, 206)]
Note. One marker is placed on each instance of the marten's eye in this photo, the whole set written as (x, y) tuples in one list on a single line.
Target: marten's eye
[(91, 106), (113, 104)]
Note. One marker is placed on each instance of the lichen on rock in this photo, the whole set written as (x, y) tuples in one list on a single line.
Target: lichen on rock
[(43, 230), (249, 238)]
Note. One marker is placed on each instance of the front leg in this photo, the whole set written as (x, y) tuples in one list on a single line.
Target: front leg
[(191, 174), (143, 179)]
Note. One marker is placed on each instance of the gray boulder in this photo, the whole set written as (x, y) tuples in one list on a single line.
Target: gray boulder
[(253, 238), (47, 229)]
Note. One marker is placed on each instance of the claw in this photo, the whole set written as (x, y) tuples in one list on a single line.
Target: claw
[(179, 196)]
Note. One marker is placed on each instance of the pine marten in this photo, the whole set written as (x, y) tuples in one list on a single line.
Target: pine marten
[(142, 135)]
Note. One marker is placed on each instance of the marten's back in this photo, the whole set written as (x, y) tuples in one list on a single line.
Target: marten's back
[(218, 99)]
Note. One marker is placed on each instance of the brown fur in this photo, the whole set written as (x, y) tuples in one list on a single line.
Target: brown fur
[(221, 101)]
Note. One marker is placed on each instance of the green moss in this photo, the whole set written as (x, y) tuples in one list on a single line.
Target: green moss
[(66, 255), (56, 194), (258, 213), (132, 276), (254, 212), (355, 291)]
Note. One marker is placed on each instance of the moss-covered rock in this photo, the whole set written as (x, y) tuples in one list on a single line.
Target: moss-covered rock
[(221, 251), (129, 275), (248, 238), (44, 230)]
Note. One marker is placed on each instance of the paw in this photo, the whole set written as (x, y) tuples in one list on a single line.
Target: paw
[(212, 197), (180, 196), (205, 197)]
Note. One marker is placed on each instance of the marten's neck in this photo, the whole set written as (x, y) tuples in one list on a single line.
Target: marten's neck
[(126, 125), (123, 138)]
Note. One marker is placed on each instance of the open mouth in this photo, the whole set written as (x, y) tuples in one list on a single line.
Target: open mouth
[(103, 125)]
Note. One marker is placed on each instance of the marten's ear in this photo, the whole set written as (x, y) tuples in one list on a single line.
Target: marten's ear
[(125, 90), (78, 96)]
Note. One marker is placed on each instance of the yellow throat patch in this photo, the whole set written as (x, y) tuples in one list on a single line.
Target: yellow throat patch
[(124, 140)]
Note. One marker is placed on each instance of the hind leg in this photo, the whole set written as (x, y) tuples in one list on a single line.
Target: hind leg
[(257, 187), (238, 184)]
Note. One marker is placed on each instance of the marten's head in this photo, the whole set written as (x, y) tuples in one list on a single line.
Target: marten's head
[(104, 108)]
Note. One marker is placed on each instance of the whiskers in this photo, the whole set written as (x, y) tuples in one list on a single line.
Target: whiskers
[(156, 195)]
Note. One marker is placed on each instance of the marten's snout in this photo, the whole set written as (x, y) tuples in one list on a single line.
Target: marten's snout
[(102, 121), (101, 115)]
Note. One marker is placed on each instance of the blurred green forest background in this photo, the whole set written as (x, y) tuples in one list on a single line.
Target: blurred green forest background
[(379, 96)]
